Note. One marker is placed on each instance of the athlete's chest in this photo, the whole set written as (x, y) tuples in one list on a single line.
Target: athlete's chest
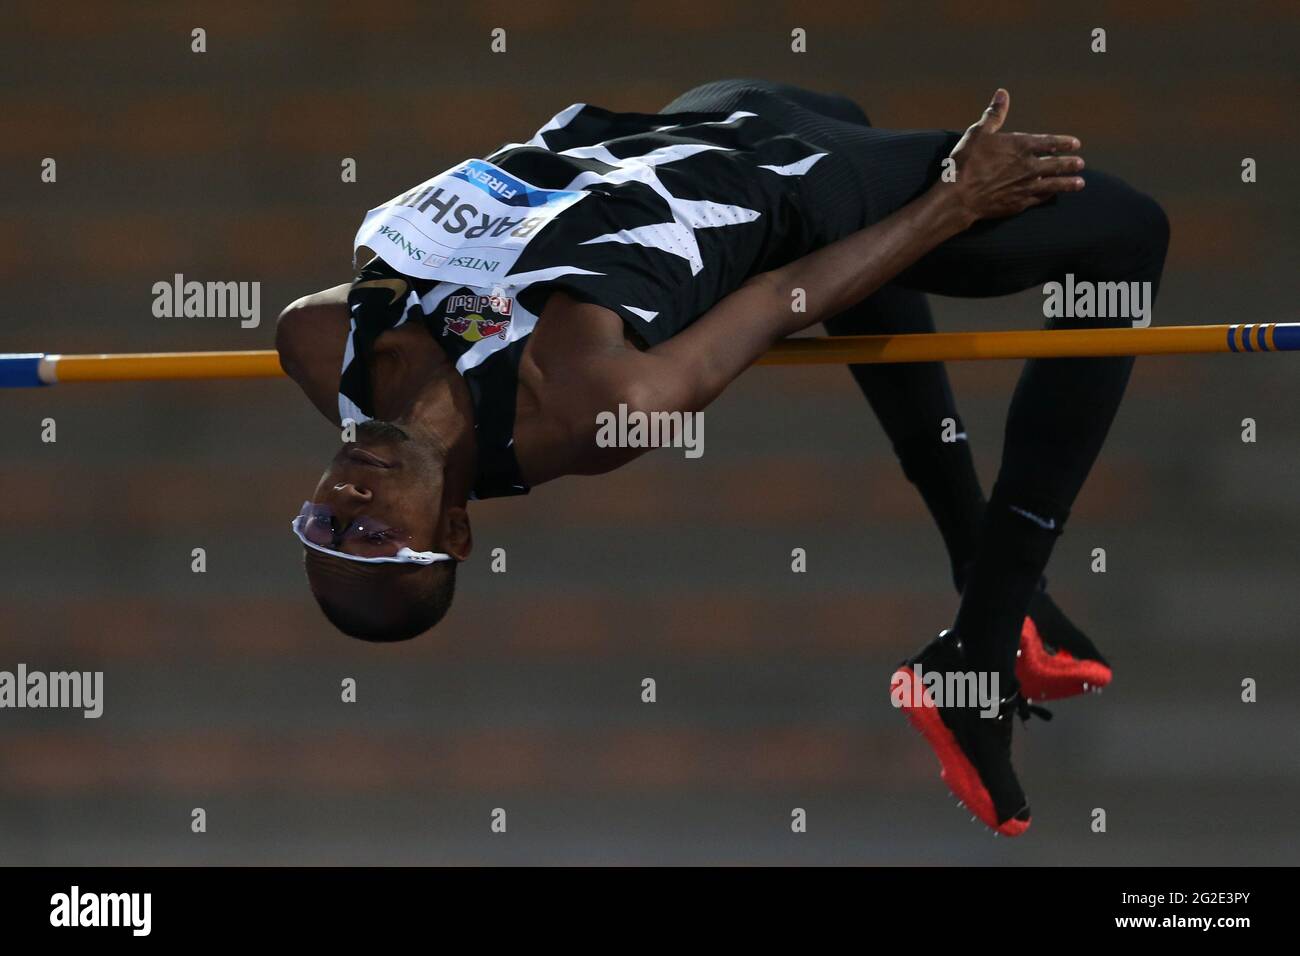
[(578, 362)]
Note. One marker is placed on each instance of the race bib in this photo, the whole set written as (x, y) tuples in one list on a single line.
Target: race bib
[(468, 225)]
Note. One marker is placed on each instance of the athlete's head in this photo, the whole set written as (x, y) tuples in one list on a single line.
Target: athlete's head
[(393, 495)]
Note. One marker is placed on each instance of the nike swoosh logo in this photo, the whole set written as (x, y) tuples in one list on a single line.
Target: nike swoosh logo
[(396, 286), (1047, 523)]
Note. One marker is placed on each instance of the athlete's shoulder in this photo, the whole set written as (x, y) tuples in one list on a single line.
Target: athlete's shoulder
[(311, 336)]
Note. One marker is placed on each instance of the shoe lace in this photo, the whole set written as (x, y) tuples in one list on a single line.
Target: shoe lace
[(1024, 709)]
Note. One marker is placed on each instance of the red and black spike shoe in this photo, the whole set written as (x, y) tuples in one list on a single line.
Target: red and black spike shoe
[(1055, 658), (974, 751)]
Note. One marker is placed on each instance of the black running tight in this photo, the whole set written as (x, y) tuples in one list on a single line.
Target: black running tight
[(1109, 231), (1062, 408)]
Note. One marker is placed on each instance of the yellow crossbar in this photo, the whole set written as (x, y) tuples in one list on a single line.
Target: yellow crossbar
[(46, 369)]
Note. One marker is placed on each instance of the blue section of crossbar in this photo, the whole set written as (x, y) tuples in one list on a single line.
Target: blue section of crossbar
[(1286, 338), (20, 369)]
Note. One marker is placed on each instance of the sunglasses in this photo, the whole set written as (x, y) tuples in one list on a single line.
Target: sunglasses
[(317, 528)]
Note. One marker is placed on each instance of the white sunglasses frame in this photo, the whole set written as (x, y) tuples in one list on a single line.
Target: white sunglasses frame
[(403, 556)]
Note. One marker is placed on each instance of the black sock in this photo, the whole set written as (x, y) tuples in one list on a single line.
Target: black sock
[(944, 474), (1016, 539)]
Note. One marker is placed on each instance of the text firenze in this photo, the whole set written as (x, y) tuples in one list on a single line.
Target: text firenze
[(636, 429)]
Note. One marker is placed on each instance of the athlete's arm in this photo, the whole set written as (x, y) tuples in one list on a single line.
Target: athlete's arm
[(310, 336), (998, 174)]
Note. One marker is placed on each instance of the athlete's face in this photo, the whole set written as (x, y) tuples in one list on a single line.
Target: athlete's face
[(396, 483), (381, 493)]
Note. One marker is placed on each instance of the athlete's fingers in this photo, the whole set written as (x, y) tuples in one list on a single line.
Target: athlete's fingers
[(1057, 165), (1046, 142), (996, 114), (1055, 184)]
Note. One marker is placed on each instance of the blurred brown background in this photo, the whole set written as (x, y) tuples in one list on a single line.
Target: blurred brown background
[(222, 689)]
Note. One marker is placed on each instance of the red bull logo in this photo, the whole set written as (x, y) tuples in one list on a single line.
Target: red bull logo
[(475, 317)]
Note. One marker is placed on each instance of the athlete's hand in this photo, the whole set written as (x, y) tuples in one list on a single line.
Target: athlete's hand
[(1000, 174)]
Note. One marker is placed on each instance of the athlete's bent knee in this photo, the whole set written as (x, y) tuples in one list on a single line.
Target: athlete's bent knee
[(1150, 228)]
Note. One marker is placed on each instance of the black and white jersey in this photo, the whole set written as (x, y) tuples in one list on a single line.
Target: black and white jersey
[(654, 216)]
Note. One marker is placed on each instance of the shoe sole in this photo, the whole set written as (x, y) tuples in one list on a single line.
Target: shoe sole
[(955, 770), (1046, 676)]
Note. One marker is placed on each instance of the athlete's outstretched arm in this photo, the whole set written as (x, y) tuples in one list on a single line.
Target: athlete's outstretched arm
[(998, 174)]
